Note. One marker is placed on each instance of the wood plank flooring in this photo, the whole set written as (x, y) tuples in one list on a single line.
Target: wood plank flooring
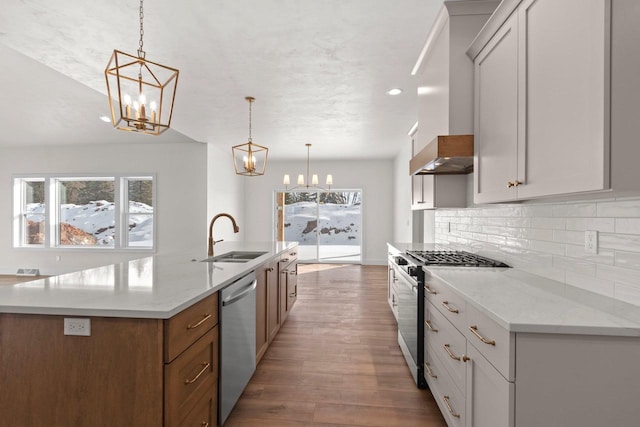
[(336, 361), (10, 279)]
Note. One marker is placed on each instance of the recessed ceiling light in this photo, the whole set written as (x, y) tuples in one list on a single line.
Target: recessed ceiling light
[(394, 91), (105, 119)]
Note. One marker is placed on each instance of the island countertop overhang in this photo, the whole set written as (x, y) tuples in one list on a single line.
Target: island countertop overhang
[(156, 287)]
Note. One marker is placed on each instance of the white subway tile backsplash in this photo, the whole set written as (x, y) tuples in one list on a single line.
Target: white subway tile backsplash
[(622, 242), (627, 225), (548, 247), (619, 275), (550, 223), (603, 256), (619, 208), (571, 237), (547, 239), (628, 260), (574, 210), (575, 265), (605, 225)]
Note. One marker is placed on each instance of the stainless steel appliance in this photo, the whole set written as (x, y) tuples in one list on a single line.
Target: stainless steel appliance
[(237, 341), (410, 278)]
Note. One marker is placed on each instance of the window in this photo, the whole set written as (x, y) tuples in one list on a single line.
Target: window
[(105, 212)]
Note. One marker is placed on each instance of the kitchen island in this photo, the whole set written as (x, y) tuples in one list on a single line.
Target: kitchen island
[(503, 347), (146, 356)]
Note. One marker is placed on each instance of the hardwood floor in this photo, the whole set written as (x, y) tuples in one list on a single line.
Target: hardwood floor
[(12, 280), (336, 361)]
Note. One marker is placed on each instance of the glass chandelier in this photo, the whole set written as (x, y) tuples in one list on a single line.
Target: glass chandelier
[(141, 93), (250, 159), (314, 179)]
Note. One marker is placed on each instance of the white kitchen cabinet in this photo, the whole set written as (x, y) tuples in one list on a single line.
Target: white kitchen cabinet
[(483, 375), (543, 76), (496, 117), (490, 397)]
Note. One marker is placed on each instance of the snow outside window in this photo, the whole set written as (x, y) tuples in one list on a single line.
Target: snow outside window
[(29, 212), (103, 212)]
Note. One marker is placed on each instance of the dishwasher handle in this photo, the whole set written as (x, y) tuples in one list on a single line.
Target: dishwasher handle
[(237, 297)]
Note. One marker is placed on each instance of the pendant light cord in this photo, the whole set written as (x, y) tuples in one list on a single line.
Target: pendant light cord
[(250, 102)]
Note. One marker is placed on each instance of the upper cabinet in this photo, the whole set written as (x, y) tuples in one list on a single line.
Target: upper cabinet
[(445, 96), (548, 87)]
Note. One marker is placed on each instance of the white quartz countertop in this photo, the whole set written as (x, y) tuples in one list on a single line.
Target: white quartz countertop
[(157, 286), (523, 302)]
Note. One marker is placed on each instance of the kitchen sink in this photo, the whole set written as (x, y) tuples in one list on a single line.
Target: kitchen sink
[(235, 256)]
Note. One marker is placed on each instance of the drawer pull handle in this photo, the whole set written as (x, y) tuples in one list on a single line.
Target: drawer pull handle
[(270, 269), (474, 330), (205, 366), (451, 309), (429, 371), (430, 326), (293, 295), (204, 319), (429, 290), (205, 424), (292, 272), (464, 358), (449, 408), (284, 260)]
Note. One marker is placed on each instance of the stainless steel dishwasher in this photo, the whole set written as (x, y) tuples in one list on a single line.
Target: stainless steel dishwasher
[(237, 341)]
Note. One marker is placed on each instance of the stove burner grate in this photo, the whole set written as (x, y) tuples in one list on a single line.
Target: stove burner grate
[(454, 258)]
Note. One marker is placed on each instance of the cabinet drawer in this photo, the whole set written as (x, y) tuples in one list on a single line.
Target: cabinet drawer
[(289, 256), (445, 300), (190, 376), (450, 400), (448, 344), (205, 413), (186, 327), (491, 340)]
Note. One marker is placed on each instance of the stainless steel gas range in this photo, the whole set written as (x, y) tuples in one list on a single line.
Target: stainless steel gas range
[(409, 276)]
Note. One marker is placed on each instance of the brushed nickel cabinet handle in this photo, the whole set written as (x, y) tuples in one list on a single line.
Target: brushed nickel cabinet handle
[(430, 326), (449, 408), (427, 367), (284, 260), (515, 183), (429, 290), (270, 269), (451, 309), (205, 366), (474, 330), (204, 319), (292, 272)]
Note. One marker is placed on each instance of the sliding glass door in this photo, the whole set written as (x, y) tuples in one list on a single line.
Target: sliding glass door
[(326, 225)]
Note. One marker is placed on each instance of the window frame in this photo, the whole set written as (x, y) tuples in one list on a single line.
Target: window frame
[(52, 211)]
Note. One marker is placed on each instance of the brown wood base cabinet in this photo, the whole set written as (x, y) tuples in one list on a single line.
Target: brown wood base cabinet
[(129, 372)]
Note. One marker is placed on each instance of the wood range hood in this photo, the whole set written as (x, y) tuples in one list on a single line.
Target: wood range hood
[(445, 155)]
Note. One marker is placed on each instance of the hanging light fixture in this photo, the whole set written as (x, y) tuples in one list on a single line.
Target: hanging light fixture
[(314, 179), (250, 159), (141, 93)]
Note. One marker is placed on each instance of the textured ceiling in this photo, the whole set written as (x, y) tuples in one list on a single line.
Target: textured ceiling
[(319, 70)]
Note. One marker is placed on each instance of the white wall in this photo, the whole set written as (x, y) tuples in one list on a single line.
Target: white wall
[(547, 239), (225, 193), (374, 177), (181, 175), (402, 214)]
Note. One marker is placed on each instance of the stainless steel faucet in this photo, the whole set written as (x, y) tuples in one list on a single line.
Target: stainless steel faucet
[(213, 242)]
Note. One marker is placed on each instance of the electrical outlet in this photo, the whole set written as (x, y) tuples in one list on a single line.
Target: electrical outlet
[(77, 326), (591, 242)]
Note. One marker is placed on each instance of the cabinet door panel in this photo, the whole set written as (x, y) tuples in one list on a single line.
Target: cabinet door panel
[(496, 117), (563, 96), (490, 397)]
